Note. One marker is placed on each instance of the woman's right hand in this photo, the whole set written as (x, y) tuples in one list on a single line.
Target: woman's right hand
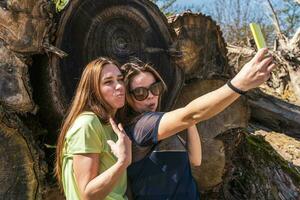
[(122, 148), (255, 72)]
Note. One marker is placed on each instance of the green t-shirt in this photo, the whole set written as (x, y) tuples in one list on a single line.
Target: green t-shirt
[(88, 135)]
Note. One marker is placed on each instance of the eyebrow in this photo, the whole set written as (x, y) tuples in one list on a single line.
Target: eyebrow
[(111, 77)]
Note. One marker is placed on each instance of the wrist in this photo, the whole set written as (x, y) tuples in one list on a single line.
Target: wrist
[(236, 86), (124, 163)]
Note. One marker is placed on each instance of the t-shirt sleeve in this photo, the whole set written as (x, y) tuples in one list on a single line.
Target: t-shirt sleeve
[(145, 130), (85, 139)]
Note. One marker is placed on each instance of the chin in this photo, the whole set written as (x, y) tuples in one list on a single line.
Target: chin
[(118, 105), (153, 110)]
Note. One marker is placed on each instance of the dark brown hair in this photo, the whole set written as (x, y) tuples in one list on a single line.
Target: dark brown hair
[(130, 70)]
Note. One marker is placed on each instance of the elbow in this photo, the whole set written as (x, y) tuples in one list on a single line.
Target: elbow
[(90, 196), (195, 162), (87, 197)]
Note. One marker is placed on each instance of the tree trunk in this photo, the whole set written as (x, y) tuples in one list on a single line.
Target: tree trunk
[(274, 113), (256, 171), (22, 171), (40, 70)]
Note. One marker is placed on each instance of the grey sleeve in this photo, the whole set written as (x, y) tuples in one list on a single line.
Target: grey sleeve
[(145, 129)]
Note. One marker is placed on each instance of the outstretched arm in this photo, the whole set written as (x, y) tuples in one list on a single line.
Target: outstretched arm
[(202, 108)]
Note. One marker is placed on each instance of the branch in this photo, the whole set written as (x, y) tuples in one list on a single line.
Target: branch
[(240, 50), (295, 42), (276, 22)]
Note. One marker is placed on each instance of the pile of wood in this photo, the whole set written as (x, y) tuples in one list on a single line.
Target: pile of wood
[(43, 54)]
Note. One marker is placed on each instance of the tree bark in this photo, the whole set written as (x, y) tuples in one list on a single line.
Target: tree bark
[(189, 53), (274, 113), (22, 171)]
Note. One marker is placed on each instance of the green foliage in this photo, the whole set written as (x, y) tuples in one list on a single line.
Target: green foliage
[(60, 4)]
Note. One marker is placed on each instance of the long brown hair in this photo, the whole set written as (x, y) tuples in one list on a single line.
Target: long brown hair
[(130, 70), (87, 98)]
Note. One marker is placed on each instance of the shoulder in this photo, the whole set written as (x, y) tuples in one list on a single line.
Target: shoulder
[(86, 121), (85, 134), (144, 129), (152, 116), (144, 118), (87, 117)]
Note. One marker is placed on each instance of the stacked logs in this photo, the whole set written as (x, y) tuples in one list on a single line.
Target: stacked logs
[(39, 76)]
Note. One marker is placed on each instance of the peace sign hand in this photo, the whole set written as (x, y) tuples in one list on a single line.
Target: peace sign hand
[(122, 148)]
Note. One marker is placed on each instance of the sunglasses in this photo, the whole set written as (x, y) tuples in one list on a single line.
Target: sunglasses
[(142, 93)]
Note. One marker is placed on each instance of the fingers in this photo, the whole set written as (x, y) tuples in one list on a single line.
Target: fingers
[(112, 122), (260, 55), (270, 67), (265, 63), (121, 128), (117, 129), (110, 143), (114, 126)]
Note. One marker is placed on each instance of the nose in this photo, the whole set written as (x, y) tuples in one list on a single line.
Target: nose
[(119, 86), (150, 96)]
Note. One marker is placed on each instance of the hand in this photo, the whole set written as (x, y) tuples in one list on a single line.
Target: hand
[(122, 148), (255, 72)]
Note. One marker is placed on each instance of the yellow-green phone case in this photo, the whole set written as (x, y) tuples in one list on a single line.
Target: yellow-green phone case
[(258, 36)]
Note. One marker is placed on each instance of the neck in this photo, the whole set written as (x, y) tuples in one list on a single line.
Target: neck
[(113, 113)]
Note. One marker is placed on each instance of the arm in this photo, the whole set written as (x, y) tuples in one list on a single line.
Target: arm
[(254, 73), (194, 146), (93, 185)]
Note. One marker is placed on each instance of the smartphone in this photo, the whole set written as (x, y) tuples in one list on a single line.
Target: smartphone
[(258, 36)]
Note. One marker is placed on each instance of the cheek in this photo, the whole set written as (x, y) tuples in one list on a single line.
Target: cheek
[(106, 92), (138, 105)]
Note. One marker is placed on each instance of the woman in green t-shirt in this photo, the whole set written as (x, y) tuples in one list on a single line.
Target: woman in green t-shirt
[(91, 159)]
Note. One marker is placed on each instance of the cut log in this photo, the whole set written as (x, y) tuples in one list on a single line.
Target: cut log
[(15, 90), (258, 172), (24, 29), (22, 170), (201, 44), (25, 25), (274, 113)]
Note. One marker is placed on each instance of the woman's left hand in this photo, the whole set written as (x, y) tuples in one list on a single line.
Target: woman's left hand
[(122, 148)]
